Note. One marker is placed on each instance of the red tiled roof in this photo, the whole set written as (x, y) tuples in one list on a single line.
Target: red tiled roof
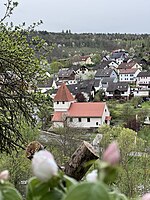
[(59, 116), (91, 109), (63, 94)]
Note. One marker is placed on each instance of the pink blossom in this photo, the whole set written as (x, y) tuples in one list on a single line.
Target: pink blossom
[(44, 166), (4, 175), (112, 154), (146, 196)]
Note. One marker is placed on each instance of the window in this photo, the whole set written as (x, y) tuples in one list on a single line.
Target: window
[(96, 123), (88, 119), (71, 120), (63, 102), (105, 110), (79, 119), (57, 102)]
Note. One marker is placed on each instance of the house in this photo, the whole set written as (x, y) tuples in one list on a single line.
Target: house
[(141, 92), (46, 85), (143, 79), (103, 73), (118, 56), (79, 70), (107, 81), (81, 87), (83, 60), (130, 64), (118, 90), (128, 75), (82, 72), (104, 65), (66, 74), (67, 112)]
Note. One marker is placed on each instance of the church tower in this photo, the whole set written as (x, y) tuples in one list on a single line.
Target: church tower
[(63, 99)]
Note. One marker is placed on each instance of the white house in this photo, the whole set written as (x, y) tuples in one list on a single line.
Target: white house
[(143, 79), (141, 92), (128, 75), (67, 112)]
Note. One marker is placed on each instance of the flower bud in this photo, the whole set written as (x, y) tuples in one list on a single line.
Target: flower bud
[(92, 177), (146, 196), (112, 154), (4, 175), (44, 166)]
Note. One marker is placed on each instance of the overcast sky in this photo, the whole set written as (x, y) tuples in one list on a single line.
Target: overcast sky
[(96, 16)]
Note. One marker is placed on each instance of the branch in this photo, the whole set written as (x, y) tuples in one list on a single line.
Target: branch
[(10, 5)]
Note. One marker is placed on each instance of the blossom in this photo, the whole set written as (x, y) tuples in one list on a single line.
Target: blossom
[(44, 166), (92, 177), (146, 196), (112, 154), (4, 175)]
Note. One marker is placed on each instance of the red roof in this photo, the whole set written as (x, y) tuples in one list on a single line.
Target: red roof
[(91, 109), (63, 94), (59, 116)]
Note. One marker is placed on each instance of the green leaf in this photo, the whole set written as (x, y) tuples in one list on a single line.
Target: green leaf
[(55, 194), (88, 191), (9, 193), (69, 181), (36, 189)]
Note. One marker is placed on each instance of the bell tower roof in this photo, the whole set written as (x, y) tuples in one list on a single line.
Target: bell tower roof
[(63, 94)]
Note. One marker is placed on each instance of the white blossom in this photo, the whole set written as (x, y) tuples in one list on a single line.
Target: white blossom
[(92, 176), (44, 166)]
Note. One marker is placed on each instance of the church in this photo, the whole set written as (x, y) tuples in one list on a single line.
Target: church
[(68, 112)]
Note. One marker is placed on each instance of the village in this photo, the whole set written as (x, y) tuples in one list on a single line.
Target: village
[(80, 93)]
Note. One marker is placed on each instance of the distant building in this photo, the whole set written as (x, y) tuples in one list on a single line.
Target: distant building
[(120, 90)]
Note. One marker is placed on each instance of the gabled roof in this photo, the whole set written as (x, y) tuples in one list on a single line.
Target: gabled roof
[(107, 80), (144, 74), (102, 65), (65, 73), (121, 86), (84, 86), (90, 109), (128, 65), (63, 94), (104, 72)]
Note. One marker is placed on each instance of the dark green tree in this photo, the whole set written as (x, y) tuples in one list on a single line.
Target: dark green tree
[(20, 70)]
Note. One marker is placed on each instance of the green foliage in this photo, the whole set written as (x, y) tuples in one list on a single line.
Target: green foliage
[(134, 158), (20, 70), (88, 191), (7, 191)]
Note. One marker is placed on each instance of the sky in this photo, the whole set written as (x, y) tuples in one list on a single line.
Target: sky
[(81, 16)]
